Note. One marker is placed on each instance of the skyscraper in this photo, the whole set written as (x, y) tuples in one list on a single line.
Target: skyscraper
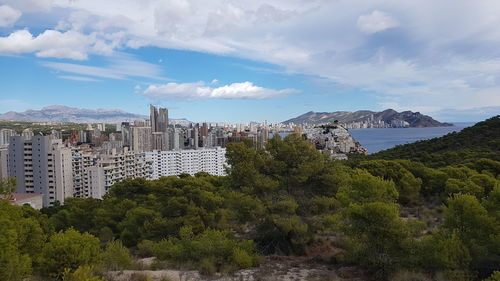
[(159, 119), (159, 128), (162, 120), (154, 118)]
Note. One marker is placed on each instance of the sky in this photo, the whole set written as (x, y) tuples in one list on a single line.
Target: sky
[(252, 60)]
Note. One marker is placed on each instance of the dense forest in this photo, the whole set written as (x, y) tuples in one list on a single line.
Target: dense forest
[(423, 211)]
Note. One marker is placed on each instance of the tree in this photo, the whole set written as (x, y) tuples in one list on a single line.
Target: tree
[(361, 187), (21, 238), (380, 237), (444, 250), (476, 229), (408, 186), (116, 256), (7, 188), (69, 250)]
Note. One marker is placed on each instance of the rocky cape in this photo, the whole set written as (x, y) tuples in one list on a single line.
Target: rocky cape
[(59, 113), (389, 116)]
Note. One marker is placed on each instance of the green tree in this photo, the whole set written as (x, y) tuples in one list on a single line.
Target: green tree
[(69, 250), (380, 238), (21, 238), (7, 188), (444, 250), (361, 187), (408, 186), (116, 256), (476, 229)]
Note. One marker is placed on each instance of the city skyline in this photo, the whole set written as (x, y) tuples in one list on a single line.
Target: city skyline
[(240, 61)]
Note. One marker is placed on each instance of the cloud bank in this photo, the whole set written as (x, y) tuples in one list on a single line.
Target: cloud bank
[(413, 54)]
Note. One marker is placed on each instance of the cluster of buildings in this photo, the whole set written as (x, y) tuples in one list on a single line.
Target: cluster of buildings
[(372, 122), (88, 162)]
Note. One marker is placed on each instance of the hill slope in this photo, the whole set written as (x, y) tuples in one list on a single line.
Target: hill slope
[(479, 141), (389, 116)]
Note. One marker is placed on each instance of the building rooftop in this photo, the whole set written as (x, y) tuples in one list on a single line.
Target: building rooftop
[(22, 196)]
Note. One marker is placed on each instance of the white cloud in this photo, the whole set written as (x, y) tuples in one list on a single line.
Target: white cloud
[(8, 15), (199, 90), (78, 78), (436, 55), (375, 22), (30, 5), (52, 43), (120, 66)]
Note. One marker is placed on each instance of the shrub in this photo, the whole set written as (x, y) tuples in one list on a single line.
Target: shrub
[(406, 275), (116, 256), (211, 247), (82, 273)]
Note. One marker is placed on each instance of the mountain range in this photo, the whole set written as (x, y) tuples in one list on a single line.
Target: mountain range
[(59, 113), (414, 119)]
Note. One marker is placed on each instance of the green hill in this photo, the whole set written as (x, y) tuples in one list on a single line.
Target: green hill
[(479, 141)]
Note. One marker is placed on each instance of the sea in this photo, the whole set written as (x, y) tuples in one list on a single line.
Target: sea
[(378, 139)]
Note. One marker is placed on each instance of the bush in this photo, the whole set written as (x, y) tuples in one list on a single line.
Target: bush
[(116, 256), (82, 273), (495, 276), (211, 247), (207, 266), (406, 275), (242, 258), (146, 248)]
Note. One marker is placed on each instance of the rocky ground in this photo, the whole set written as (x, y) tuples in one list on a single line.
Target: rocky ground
[(316, 265)]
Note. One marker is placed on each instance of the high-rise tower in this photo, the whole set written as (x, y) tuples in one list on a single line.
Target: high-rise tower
[(159, 128)]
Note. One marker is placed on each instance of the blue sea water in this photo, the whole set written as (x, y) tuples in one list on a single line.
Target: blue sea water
[(384, 138)]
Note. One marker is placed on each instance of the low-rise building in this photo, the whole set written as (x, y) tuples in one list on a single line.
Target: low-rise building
[(34, 200)]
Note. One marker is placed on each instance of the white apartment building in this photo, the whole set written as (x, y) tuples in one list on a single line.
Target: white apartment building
[(5, 135), (4, 156), (82, 160), (41, 165), (109, 169), (190, 161)]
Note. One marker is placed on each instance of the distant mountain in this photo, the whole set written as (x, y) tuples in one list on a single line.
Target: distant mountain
[(389, 116), (59, 113)]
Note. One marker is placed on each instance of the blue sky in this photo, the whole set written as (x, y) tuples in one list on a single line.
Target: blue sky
[(242, 61)]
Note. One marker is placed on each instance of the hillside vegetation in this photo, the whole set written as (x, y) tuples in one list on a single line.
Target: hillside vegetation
[(393, 219), (479, 141)]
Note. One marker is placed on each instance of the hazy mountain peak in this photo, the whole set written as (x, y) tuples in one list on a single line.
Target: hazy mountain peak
[(414, 119)]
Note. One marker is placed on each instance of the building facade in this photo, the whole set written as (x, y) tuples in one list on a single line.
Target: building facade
[(41, 165), (190, 161), (109, 169)]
